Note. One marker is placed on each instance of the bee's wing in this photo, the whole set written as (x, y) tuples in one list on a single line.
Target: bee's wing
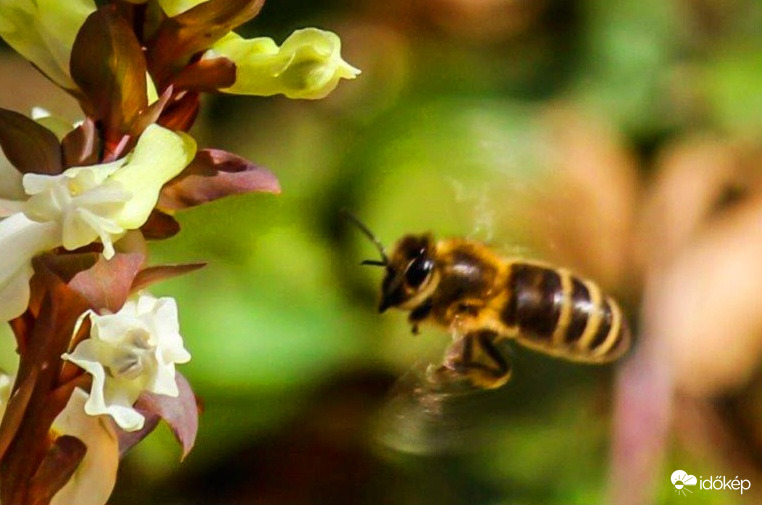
[(428, 414)]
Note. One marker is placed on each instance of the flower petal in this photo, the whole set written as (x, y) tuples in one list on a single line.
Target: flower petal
[(14, 294), (104, 397), (159, 155), (165, 320), (19, 28), (174, 7), (58, 125), (43, 32), (111, 328), (59, 24), (163, 381), (95, 477), (5, 392), (11, 187), (106, 229), (21, 239)]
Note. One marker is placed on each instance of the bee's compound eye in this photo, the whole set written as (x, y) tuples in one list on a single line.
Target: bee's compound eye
[(418, 271)]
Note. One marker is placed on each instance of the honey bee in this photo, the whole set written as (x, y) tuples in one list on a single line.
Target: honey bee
[(482, 298)]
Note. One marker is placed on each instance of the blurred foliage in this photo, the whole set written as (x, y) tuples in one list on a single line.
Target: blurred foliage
[(445, 130)]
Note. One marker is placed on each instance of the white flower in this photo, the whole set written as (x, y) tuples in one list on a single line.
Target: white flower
[(82, 205), (43, 32), (129, 352), (83, 201), (94, 478)]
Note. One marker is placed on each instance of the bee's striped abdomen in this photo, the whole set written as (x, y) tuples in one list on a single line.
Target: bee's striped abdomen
[(555, 312), (532, 305)]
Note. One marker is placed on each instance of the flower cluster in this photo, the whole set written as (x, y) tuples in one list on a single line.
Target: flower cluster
[(97, 352)]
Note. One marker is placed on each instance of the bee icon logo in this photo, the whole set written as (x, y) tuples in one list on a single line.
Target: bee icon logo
[(681, 479)]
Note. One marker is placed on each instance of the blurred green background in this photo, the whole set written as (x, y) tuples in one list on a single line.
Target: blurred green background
[(447, 130)]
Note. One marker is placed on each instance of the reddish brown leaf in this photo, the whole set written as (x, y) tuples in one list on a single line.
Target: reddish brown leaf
[(21, 327), (180, 413), (149, 275), (178, 38), (82, 145), (66, 266), (107, 284), (180, 114), (215, 174), (115, 145), (160, 226), (107, 64), (14, 411), (30, 147), (151, 114), (60, 307), (72, 376), (206, 75), (128, 439), (63, 266), (56, 469)]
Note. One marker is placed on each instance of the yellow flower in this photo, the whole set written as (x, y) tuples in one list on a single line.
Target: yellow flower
[(307, 65), (43, 32)]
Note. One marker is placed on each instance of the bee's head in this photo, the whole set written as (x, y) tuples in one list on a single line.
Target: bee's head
[(409, 273)]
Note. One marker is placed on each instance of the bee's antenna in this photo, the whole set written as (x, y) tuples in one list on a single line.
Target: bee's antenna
[(356, 221), (375, 263)]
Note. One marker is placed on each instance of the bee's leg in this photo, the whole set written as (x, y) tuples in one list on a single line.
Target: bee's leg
[(464, 308), (418, 314), (476, 357), (500, 369)]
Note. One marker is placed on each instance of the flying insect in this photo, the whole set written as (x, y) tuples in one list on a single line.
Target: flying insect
[(482, 299)]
